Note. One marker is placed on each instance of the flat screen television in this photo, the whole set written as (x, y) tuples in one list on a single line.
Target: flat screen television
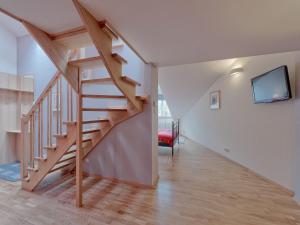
[(272, 86)]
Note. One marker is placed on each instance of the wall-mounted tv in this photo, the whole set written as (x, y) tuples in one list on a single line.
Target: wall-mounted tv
[(272, 86)]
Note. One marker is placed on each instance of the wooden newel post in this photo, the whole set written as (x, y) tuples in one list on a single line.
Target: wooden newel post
[(79, 151), (22, 150)]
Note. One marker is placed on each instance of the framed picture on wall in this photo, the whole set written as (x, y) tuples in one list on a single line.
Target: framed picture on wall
[(214, 100)]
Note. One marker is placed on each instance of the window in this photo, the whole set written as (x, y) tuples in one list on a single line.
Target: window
[(164, 114), (163, 109)]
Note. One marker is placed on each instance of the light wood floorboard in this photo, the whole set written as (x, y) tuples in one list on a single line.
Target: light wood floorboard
[(196, 187)]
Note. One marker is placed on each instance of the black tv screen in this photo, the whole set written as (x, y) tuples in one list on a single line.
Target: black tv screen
[(272, 86)]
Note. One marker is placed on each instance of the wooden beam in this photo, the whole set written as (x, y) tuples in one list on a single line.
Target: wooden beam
[(81, 30), (11, 15), (104, 46), (57, 54)]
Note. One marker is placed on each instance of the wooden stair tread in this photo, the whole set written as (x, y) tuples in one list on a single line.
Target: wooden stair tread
[(104, 96), (65, 160), (70, 152), (26, 179), (105, 109), (69, 123), (60, 135), (60, 167), (53, 147), (89, 131), (40, 158), (142, 98), (84, 141), (93, 62), (34, 169), (108, 80), (130, 81), (119, 58), (95, 121)]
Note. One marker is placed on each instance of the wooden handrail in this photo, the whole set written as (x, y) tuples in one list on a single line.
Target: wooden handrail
[(46, 91), (32, 124)]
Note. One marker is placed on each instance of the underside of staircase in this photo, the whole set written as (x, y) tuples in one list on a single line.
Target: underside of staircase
[(67, 140)]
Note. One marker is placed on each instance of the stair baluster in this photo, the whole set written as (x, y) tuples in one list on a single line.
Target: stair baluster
[(35, 130)]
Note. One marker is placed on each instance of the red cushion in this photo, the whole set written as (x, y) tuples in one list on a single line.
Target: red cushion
[(165, 136)]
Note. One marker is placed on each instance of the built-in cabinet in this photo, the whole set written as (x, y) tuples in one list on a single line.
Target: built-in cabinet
[(16, 98)]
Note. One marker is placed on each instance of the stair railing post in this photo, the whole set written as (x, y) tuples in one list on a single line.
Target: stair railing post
[(23, 148), (79, 151)]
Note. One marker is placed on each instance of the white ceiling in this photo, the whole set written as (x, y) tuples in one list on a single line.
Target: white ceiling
[(174, 32), (178, 34), (183, 85), (12, 25)]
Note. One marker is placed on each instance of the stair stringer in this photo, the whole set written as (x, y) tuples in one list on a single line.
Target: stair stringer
[(115, 118), (53, 156), (103, 44)]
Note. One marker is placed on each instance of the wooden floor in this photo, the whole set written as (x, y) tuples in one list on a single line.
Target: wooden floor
[(196, 187)]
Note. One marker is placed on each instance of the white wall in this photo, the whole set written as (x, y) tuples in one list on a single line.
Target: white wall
[(192, 80), (296, 162), (8, 52), (32, 60), (259, 136)]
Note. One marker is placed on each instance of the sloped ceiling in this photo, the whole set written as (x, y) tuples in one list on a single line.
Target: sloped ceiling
[(174, 32), (183, 85)]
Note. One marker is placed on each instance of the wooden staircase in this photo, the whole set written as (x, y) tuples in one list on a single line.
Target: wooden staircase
[(54, 132)]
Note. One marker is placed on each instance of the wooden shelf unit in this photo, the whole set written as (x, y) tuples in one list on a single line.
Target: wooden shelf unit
[(17, 95)]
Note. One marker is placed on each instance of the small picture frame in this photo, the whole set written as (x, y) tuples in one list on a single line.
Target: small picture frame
[(214, 100)]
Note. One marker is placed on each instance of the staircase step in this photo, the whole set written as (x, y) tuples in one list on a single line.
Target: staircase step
[(104, 96), (98, 80), (70, 123), (95, 121), (91, 131), (65, 160), (34, 169), (108, 80), (70, 152), (60, 167), (86, 140), (79, 37), (94, 62), (130, 81), (118, 58), (26, 179), (112, 109), (142, 98), (83, 141), (60, 135), (53, 148), (40, 159)]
